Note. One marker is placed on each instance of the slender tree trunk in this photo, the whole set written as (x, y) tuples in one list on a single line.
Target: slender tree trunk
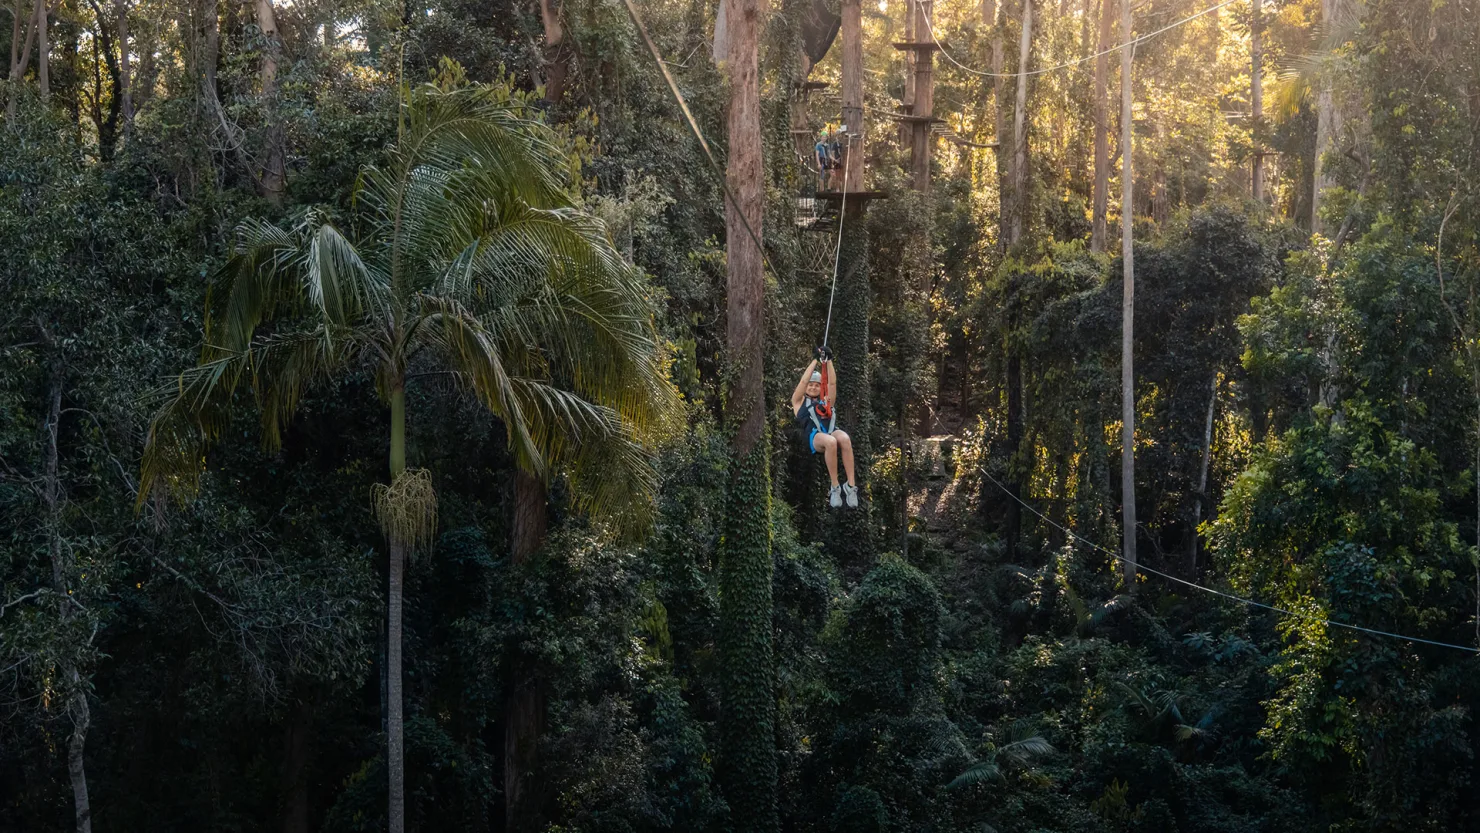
[(395, 725), (524, 708), (1014, 447), (125, 76), (747, 681), (43, 50), (274, 167), (1127, 310), (923, 139), (61, 568), (1100, 229), (557, 53), (1328, 124), (1202, 480), (1020, 127), (908, 101), (1256, 97), (295, 769)]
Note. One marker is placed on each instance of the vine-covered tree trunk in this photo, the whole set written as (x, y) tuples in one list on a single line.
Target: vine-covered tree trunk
[(557, 51), (853, 541), (747, 696)]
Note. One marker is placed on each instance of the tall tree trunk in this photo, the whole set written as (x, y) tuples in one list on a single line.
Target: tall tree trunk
[(908, 100), (1100, 229), (922, 137), (295, 768), (557, 51), (125, 76), (524, 708), (1328, 124), (43, 50), (1202, 481), (999, 125), (1256, 97), (747, 692), (1020, 127), (1014, 447), (51, 497), (1127, 311), (396, 568), (274, 167)]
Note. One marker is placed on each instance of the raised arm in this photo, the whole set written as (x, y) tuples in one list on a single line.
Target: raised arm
[(801, 391), (832, 383)]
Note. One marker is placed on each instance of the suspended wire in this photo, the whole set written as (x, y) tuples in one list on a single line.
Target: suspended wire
[(930, 26), (838, 249), (1231, 597), (698, 134)]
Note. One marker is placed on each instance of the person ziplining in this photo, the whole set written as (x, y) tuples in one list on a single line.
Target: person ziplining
[(815, 413)]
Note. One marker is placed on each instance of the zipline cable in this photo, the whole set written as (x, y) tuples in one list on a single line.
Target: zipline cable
[(1231, 597), (838, 249), (930, 26), (698, 134)]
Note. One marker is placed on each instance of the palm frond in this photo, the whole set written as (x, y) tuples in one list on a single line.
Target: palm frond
[(978, 772), (196, 408)]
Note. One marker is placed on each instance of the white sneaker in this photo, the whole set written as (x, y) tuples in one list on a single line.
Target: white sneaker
[(835, 497), (851, 495)]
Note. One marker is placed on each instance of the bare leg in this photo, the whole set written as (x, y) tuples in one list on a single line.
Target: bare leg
[(829, 448), (845, 447)]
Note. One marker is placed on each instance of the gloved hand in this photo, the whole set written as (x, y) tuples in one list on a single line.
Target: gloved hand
[(824, 354)]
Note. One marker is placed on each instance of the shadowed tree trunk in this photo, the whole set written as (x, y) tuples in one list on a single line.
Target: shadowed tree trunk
[(1100, 229), (125, 68), (1201, 497), (78, 709), (396, 570), (524, 707)]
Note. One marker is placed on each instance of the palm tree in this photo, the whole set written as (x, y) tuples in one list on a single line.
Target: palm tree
[(471, 254)]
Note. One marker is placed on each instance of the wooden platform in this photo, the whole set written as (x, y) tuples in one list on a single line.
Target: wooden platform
[(919, 46), (853, 196), (916, 119), (812, 85)]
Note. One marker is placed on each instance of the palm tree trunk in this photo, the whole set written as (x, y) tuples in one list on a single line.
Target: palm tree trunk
[(524, 708), (1127, 312), (1100, 228), (394, 723)]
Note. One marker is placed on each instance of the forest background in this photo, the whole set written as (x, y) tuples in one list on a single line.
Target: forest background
[(1307, 403)]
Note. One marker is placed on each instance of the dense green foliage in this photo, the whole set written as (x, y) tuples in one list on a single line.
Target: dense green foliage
[(1308, 436)]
